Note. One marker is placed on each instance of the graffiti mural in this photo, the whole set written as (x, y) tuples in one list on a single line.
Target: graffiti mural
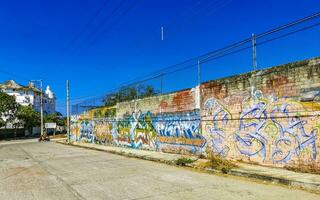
[(271, 130), (269, 117), (292, 138), (216, 129), (179, 129), (86, 131), (249, 139), (136, 131), (261, 129), (104, 131)]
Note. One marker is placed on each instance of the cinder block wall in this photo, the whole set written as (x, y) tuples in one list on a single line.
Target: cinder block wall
[(268, 117)]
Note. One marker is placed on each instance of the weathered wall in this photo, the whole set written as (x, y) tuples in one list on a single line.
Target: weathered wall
[(270, 117), (169, 103), (275, 122)]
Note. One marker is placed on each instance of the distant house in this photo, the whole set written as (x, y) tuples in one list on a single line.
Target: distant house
[(30, 95)]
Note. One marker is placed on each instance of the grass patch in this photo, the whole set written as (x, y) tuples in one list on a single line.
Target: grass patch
[(184, 161), (311, 168), (218, 163)]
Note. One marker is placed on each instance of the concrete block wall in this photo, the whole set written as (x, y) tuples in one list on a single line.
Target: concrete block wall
[(268, 117)]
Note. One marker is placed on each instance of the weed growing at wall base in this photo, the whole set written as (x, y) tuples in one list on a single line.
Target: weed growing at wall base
[(217, 162), (184, 161)]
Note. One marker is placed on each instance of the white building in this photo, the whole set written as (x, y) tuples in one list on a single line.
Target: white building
[(30, 95)]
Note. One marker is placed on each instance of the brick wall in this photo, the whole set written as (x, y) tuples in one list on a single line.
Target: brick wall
[(269, 117)]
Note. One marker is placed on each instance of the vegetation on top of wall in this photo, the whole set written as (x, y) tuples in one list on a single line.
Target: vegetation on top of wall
[(129, 93), (108, 112)]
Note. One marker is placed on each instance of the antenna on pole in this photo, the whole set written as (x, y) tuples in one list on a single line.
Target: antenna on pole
[(162, 33)]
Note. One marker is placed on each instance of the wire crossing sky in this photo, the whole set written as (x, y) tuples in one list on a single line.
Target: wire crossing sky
[(99, 44)]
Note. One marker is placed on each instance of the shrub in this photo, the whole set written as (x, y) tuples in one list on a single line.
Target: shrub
[(219, 163), (184, 161)]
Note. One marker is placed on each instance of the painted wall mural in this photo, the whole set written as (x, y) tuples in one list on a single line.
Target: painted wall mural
[(75, 127), (86, 131), (216, 126), (104, 131), (144, 130), (136, 131), (265, 130), (180, 130), (260, 129), (276, 125)]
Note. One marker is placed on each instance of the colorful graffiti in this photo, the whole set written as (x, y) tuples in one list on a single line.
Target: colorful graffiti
[(144, 130), (250, 139), (86, 131), (269, 117), (291, 135), (179, 129), (220, 119), (75, 127), (136, 131), (266, 129), (104, 131)]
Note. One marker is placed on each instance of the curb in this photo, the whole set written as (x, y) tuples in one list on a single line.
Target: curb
[(312, 187), (122, 153)]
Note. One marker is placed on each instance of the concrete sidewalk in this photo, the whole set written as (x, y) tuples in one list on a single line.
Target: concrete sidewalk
[(268, 174)]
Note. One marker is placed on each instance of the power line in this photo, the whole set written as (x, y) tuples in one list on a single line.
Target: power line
[(290, 24), (112, 24), (222, 52), (108, 18), (13, 74), (86, 26)]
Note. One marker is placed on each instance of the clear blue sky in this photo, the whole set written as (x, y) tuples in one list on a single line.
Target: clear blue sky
[(98, 44)]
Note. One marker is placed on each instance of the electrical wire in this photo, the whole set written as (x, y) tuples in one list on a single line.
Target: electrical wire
[(222, 52)]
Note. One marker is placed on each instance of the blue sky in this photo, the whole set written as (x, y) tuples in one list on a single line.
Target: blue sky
[(99, 44)]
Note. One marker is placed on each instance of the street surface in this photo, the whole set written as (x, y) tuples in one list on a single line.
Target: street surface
[(33, 170)]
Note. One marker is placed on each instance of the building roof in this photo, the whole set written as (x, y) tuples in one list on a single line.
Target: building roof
[(11, 84)]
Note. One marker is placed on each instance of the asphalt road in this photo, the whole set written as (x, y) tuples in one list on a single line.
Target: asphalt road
[(33, 170)]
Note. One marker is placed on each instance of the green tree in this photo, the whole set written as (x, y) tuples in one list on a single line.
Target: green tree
[(28, 117), (129, 93), (55, 118), (8, 109)]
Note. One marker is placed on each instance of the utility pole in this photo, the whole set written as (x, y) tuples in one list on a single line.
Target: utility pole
[(198, 96), (68, 111), (254, 64), (41, 107), (199, 80), (254, 52), (199, 87)]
